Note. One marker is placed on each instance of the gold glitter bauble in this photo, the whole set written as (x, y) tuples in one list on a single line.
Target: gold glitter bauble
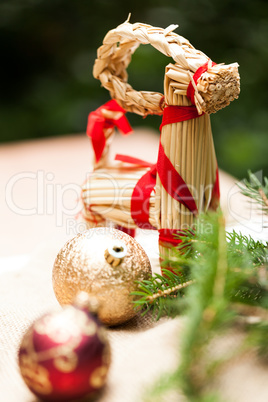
[(105, 263)]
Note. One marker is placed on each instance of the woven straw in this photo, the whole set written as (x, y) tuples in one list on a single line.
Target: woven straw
[(190, 148), (107, 193), (187, 144), (216, 89)]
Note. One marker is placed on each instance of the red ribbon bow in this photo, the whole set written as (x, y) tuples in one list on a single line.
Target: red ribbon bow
[(202, 69), (98, 122)]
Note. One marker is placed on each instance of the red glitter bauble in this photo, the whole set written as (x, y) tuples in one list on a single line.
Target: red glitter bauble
[(65, 355)]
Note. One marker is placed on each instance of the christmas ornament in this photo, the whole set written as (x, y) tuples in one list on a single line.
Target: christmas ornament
[(65, 355), (105, 263), (184, 180)]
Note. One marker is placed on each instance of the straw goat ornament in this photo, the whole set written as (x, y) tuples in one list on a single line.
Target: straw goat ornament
[(184, 181)]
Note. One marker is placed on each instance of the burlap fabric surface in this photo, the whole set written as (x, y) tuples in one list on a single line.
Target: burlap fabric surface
[(27, 293), (141, 349)]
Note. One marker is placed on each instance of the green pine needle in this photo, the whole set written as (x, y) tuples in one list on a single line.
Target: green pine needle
[(255, 190), (216, 277)]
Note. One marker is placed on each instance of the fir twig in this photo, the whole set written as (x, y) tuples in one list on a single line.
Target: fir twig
[(230, 279), (228, 273), (255, 190), (263, 196), (168, 291), (158, 292), (207, 311), (246, 260), (255, 252)]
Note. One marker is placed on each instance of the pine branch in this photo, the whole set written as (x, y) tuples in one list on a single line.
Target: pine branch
[(257, 339), (168, 291), (207, 311), (254, 251), (248, 283), (263, 196), (255, 190), (158, 292), (227, 271)]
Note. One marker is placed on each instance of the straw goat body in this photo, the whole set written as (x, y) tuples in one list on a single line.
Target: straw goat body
[(187, 144)]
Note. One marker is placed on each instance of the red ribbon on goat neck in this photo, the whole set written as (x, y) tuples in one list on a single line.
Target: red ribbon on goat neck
[(97, 123), (171, 180), (175, 114)]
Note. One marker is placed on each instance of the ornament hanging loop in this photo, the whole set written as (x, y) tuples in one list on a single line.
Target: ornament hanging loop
[(115, 253)]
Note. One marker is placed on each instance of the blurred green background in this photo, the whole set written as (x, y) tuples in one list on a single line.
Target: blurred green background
[(48, 49)]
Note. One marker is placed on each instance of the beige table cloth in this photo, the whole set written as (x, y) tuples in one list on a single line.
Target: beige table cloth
[(40, 183)]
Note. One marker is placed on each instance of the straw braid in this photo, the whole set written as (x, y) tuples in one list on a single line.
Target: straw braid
[(115, 55)]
